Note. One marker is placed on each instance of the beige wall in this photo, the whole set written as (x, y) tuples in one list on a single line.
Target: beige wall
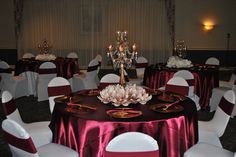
[(189, 17), (7, 36)]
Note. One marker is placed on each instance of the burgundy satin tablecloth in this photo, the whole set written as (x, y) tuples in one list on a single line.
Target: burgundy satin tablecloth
[(66, 67), (205, 79), (89, 133)]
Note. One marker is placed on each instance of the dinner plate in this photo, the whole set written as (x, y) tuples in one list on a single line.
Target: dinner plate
[(124, 113), (66, 99), (153, 91), (93, 92), (161, 108), (167, 98), (79, 108)]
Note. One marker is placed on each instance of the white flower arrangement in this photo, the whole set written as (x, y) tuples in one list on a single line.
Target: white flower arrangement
[(119, 95), (177, 62), (45, 57)]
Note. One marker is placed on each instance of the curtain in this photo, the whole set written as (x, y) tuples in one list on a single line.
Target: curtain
[(88, 27)]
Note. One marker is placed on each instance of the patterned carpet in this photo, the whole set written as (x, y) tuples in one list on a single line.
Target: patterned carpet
[(33, 111)]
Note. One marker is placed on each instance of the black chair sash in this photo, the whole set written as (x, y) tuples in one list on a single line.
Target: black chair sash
[(226, 106)]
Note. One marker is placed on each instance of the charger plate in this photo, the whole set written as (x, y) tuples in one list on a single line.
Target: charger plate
[(66, 99), (167, 98), (124, 113), (161, 108), (79, 108)]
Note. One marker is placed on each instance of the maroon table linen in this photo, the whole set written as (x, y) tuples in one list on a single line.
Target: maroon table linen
[(205, 80), (89, 133), (65, 67)]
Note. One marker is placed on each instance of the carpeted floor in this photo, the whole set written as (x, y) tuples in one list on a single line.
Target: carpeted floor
[(33, 111)]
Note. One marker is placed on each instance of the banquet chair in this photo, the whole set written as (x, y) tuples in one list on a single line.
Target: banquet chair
[(28, 55), (207, 150), (212, 61), (132, 144), (140, 65), (188, 76), (210, 131), (22, 145), (218, 92), (31, 76), (99, 59), (177, 85), (47, 71), (57, 87), (109, 79), (88, 80), (17, 85), (72, 55), (40, 132)]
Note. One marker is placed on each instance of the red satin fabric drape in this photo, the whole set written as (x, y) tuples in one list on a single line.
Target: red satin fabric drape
[(65, 67), (90, 133), (205, 81)]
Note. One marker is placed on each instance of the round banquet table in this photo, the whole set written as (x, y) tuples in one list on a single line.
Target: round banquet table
[(65, 67), (89, 133), (205, 79)]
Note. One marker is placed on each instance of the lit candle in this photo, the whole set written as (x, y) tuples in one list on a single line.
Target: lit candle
[(121, 49), (134, 47), (110, 48)]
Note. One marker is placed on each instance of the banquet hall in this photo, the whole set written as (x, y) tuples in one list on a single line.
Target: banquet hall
[(161, 68)]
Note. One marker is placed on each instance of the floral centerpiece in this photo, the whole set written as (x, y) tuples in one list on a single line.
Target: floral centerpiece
[(119, 95), (45, 57), (177, 62)]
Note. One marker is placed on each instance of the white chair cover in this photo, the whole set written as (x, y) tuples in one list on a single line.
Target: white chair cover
[(72, 55), (99, 59), (212, 61), (21, 144), (140, 65), (218, 92), (109, 79), (47, 71), (40, 132), (132, 142), (207, 150), (188, 76), (218, 123), (57, 87), (177, 85), (28, 55), (17, 85), (88, 81)]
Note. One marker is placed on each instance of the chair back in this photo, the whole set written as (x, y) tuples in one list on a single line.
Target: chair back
[(47, 71), (177, 85), (188, 76), (9, 107), (72, 55), (140, 65), (132, 143), (93, 65), (28, 55), (212, 61), (109, 79), (99, 59), (5, 70), (223, 112), (57, 87), (19, 141), (92, 72)]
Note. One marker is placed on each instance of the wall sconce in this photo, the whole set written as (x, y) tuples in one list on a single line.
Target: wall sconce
[(208, 26)]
